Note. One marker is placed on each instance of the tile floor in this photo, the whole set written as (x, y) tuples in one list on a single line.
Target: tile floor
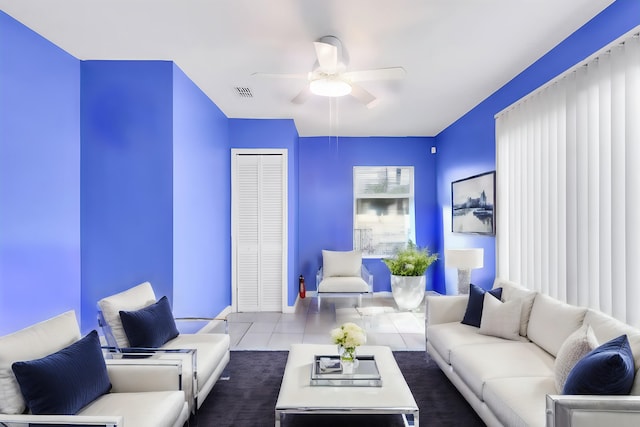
[(378, 315)]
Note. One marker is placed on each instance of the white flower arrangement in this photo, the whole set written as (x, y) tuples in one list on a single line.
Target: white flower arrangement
[(349, 336)]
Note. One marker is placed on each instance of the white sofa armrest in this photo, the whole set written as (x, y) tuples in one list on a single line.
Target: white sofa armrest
[(592, 411), (153, 359), (211, 323), (93, 420), (136, 375), (445, 308)]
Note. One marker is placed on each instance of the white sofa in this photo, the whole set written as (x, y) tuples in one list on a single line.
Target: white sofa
[(205, 355), (512, 382), (141, 395)]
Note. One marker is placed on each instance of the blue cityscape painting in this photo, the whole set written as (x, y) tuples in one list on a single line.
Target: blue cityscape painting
[(473, 204)]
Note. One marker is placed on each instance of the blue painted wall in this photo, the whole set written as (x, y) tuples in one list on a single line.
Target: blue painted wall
[(467, 147), (281, 134), (325, 210), (201, 199), (103, 211), (126, 179), (39, 178)]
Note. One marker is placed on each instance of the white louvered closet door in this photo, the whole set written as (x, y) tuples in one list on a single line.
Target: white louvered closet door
[(259, 225)]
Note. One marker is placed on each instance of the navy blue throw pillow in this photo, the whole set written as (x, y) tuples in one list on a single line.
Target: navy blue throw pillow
[(473, 314), (606, 370), (150, 326), (66, 381)]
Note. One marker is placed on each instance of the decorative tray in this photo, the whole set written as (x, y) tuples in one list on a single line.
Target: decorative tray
[(327, 371)]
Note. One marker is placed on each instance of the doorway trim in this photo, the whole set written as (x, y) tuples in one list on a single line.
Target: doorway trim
[(235, 152)]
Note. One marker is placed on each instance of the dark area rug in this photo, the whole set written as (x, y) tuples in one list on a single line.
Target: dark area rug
[(249, 397)]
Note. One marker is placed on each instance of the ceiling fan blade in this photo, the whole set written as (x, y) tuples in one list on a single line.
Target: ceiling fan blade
[(392, 73), (301, 76), (363, 96), (327, 56), (303, 96)]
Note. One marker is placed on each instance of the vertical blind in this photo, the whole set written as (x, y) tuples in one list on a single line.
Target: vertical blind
[(568, 185)]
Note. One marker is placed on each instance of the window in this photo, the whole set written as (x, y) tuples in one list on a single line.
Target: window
[(383, 206), (567, 181)]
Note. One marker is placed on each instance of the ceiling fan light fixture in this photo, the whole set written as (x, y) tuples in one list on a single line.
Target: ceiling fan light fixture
[(328, 86)]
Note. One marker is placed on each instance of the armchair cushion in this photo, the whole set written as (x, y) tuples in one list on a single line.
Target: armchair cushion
[(64, 382), (30, 343), (132, 299), (343, 284), (154, 408), (151, 326), (341, 263)]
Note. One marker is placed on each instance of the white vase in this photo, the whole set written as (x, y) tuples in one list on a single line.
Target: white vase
[(348, 366), (408, 291), (348, 362)]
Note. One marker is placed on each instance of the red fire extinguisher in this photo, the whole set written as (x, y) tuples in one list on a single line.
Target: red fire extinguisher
[(301, 288)]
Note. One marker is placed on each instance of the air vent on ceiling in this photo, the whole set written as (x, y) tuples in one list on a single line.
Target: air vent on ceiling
[(244, 92)]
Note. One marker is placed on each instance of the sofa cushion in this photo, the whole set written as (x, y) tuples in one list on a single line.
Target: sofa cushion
[(343, 284), (552, 321), (519, 401), (574, 348), (478, 363), (445, 337), (512, 291), (341, 263), (473, 313), (607, 370), (33, 342), (134, 298), (500, 319), (148, 409), (151, 326), (64, 382)]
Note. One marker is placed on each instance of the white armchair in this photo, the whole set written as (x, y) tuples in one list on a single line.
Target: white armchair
[(343, 273), (62, 378), (204, 355)]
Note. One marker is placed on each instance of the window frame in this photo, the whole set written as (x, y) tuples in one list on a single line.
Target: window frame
[(357, 195)]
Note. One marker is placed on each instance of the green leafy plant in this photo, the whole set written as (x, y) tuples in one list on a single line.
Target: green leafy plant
[(410, 261)]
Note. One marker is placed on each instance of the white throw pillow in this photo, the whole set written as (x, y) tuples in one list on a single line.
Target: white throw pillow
[(512, 291), (574, 348), (341, 263), (552, 321), (500, 319), (33, 342), (130, 300)]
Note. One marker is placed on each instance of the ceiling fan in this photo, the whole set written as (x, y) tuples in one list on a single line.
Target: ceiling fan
[(330, 77)]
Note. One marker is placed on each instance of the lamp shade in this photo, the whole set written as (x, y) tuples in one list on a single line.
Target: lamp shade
[(464, 258)]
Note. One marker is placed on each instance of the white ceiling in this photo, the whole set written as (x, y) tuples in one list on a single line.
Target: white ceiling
[(455, 52)]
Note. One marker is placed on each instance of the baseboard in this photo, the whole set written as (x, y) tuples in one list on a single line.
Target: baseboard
[(294, 308), (287, 309)]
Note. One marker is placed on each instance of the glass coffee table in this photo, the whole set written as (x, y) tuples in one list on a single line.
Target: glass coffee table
[(299, 396)]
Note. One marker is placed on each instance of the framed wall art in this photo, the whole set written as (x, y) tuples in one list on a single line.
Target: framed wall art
[(473, 204)]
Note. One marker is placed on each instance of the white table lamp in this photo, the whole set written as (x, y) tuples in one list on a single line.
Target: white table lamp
[(464, 260)]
